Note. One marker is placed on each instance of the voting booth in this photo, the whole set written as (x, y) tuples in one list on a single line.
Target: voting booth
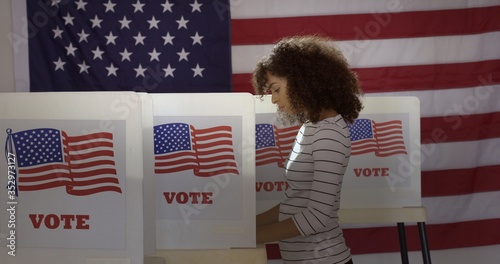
[(113, 177), (382, 182), (204, 160), (73, 177), (383, 171)]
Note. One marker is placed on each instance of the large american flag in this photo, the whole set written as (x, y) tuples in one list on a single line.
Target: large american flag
[(48, 158), (273, 144), (207, 151), (129, 45), (443, 52), (381, 138)]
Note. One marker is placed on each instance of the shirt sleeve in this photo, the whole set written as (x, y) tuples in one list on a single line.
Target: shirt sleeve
[(330, 149)]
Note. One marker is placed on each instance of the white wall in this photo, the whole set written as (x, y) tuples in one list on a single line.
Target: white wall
[(6, 53), (485, 255)]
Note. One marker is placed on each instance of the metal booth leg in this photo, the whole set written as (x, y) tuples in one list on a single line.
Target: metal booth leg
[(423, 242), (402, 243)]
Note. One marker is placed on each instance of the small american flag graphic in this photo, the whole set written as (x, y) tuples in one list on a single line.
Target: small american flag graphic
[(273, 144), (381, 138), (180, 146), (49, 158)]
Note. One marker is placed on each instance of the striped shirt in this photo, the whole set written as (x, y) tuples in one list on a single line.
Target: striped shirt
[(314, 171)]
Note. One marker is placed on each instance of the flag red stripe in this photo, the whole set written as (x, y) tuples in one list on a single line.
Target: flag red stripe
[(213, 151), (427, 77), (199, 131), (370, 147), (389, 124), (460, 181), (368, 26), (271, 154), (176, 169), (216, 158), (44, 186), (175, 162), (217, 165), (440, 236), (212, 136), (94, 181), (76, 175), (286, 130), (45, 177), (390, 145), (266, 150), (175, 155), (411, 78), (87, 137), (284, 142), (93, 190), (202, 173), (197, 146), (387, 154), (99, 153), (41, 169), (365, 145), (92, 164), (460, 128), (90, 145)]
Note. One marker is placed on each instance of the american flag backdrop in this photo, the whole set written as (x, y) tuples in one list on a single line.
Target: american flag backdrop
[(205, 151), (49, 158), (273, 144), (382, 138), (129, 45), (443, 52)]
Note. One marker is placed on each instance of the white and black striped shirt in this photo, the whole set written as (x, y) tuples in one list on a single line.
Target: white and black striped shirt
[(314, 171)]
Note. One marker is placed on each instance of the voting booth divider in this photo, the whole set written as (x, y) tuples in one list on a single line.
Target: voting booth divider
[(71, 181), (204, 161), (123, 177), (381, 185)]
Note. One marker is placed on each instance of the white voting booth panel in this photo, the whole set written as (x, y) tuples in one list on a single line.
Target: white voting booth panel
[(148, 180), (382, 182), (204, 160), (384, 168), (72, 179)]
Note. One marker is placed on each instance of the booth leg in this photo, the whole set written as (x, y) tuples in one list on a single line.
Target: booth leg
[(402, 243), (423, 242)]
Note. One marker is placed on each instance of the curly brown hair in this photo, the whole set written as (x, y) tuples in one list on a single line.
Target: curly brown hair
[(317, 74)]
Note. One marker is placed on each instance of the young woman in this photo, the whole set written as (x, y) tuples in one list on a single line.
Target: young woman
[(310, 82)]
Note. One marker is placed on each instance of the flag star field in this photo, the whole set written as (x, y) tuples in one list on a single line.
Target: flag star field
[(146, 46)]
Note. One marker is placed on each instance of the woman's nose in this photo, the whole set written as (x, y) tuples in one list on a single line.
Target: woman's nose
[(274, 98)]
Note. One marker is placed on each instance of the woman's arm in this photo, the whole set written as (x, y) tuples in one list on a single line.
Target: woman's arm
[(269, 229), (268, 217), (277, 231)]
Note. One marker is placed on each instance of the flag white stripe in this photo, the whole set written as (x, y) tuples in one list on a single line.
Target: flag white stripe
[(90, 140), (94, 168), (447, 209), (450, 102), (41, 182), (63, 173), (89, 150), (450, 209), (459, 155), (393, 52), (241, 9)]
